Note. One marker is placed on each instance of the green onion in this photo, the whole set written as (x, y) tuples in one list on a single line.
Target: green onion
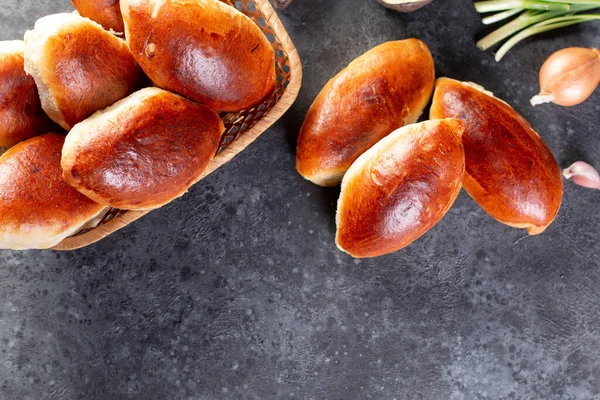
[(499, 5), (533, 17), (492, 19)]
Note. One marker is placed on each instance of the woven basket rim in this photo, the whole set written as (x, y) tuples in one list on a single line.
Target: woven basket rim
[(285, 102)]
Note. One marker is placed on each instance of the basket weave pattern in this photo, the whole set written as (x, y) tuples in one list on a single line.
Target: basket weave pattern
[(288, 70), (238, 123)]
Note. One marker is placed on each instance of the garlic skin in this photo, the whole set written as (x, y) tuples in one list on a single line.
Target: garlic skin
[(404, 5), (583, 174), (569, 76)]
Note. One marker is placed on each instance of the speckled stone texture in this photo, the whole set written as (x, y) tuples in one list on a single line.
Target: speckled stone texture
[(237, 291)]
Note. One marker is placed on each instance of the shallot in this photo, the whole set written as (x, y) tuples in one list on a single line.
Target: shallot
[(569, 76)]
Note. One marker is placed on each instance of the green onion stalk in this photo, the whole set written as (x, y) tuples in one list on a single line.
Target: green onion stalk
[(532, 17)]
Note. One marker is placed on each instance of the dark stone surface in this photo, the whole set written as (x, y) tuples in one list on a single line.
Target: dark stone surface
[(237, 291)]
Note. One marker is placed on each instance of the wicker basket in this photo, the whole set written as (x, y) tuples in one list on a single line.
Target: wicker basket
[(241, 128)]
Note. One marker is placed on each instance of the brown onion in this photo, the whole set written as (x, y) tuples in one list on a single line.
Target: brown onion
[(569, 76), (583, 174), (404, 5)]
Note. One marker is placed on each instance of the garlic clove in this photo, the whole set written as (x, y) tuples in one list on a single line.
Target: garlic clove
[(569, 76), (583, 174), (404, 5)]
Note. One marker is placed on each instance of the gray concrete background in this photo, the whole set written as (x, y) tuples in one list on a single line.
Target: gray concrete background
[(236, 291)]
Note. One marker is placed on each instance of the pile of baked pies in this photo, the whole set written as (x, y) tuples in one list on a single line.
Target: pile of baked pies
[(399, 178), (138, 84), (137, 87)]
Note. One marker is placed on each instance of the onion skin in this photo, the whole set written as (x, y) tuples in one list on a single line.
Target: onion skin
[(405, 7), (583, 174), (569, 76)]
